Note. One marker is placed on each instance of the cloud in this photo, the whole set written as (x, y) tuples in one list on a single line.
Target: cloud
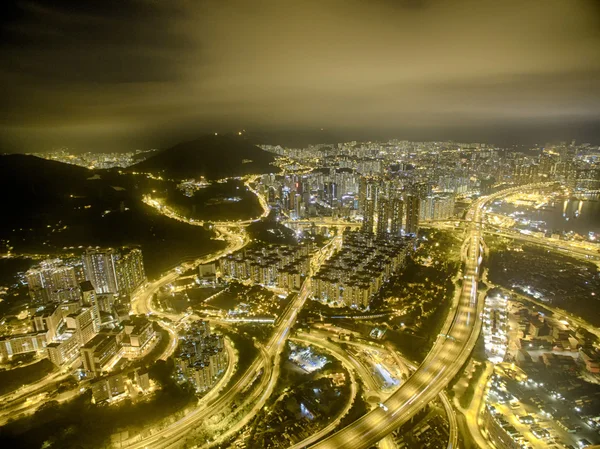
[(140, 67)]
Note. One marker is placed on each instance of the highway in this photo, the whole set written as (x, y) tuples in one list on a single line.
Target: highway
[(232, 232), (277, 341), (47, 382), (213, 400), (450, 413), (372, 388), (448, 354), (26, 399), (141, 302), (572, 248), (349, 365), (473, 412), (267, 365), (554, 244), (236, 238), (174, 339)]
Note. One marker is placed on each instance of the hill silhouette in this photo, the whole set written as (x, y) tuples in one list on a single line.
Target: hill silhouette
[(48, 206), (211, 156)]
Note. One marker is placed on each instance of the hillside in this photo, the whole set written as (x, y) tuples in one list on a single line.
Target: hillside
[(48, 206), (213, 157)]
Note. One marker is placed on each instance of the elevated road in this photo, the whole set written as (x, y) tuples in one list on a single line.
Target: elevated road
[(573, 248), (214, 401), (277, 341), (266, 365), (448, 354), (350, 366), (371, 386)]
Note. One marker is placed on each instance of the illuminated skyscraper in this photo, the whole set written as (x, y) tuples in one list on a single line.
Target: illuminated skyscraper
[(389, 216), (395, 214), (112, 271), (412, 214), (90, 299), (437, 207), (368, 195), (52, 281), (368, 215), (383, 209), (548, 163), (100, 270), (129, 270)]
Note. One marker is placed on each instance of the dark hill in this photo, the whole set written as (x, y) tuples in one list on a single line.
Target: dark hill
[(213, 157), (47, 206), (32, 187)]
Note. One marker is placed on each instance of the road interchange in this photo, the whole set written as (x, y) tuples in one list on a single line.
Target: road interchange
[(449, 353)]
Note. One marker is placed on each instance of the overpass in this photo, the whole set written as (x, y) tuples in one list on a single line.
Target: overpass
[(449, 353), (557, 245)]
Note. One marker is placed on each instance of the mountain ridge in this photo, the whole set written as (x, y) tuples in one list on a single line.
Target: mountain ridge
[(211, 156)]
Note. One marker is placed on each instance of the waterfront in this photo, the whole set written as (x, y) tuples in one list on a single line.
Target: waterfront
[(560, 215)]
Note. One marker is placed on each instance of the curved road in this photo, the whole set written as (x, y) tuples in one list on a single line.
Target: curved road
[(343, 358), (442, 363), (278, 339), (211, 404), (370, 383), (178, 431)]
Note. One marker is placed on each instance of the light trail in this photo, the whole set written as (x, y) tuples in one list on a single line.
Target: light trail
[(441, 364)]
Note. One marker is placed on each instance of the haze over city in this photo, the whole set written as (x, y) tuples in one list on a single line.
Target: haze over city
[(121, 75)]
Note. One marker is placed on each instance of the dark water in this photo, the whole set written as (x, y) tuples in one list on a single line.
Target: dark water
[(581, 216), (578, 215), (10, 267)]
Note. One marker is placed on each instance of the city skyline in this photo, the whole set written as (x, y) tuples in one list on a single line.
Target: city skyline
[(300, 225), (364, 254)]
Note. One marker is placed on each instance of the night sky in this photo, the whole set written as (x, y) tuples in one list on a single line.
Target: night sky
[(119, 75)]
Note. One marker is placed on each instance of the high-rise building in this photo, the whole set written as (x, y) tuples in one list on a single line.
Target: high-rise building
[(82, 324), (22, 344), (360, 268), (107, 388), (129, 270), (548, 163), (52, 281), (437, 207), (63, 350), (66, 327), (367, 199), (389, 216), (48, 320), (90, 299), (420, 189), (368, 215), (99, 268), (412, 214), (112, 271), (396, 212), (383, 209), (99, 353), (138, 333), (298, 206), (201, 357)]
